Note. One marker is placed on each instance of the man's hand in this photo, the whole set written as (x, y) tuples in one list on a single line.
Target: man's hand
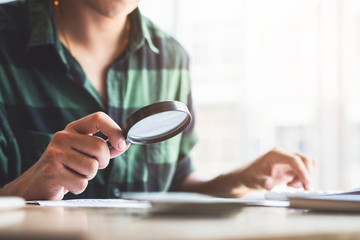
[(278, 166), (71, 159)]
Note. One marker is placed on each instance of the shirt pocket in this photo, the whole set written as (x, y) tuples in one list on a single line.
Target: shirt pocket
[(32, 145)]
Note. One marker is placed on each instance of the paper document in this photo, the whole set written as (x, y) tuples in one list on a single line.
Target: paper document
[(285, 195), (169, 203), (104, 203), (198, 204), (184, 197), (11, 203)]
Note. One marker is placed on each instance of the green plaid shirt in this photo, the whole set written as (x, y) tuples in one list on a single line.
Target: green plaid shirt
[(43, 88)]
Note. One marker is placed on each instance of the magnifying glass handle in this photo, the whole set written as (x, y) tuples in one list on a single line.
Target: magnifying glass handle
[(102, 136), (109, 144)]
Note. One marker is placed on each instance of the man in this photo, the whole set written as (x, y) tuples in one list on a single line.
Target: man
[(69, 69)]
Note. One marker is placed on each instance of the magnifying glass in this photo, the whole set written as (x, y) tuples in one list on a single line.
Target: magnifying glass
[(156, 122)]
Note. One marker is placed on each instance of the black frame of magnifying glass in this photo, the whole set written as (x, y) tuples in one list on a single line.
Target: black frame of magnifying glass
[(150, 110)]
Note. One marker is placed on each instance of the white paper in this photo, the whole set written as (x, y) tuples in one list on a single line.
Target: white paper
[(103, 203), (195, 198), (11, 202), (286, 195)]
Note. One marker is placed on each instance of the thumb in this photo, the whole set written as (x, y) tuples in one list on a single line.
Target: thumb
[(268, 183), (263, 182)]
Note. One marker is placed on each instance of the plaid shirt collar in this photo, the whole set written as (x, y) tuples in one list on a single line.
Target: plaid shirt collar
[(42, 29)]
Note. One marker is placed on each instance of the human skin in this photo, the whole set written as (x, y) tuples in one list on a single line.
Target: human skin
[(72, 158), (278, 166)]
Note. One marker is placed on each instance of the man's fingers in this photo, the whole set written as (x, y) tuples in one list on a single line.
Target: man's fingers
[(99, 121), (298, 166), (295, 183), (309, 162), (82, 164), (72, 181), (260, 182), (94, 147), (114, 152), (86, 144), (267, 183)]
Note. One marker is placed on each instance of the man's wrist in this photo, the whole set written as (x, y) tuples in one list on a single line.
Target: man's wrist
[(7, 191), (225, 185), (229, 185), (14, 188)]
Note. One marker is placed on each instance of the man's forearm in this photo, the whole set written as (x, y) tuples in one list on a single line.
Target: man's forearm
[(225, 185), (10, 189)]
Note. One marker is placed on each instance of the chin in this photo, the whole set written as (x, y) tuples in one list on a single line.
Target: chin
[(113, 8)]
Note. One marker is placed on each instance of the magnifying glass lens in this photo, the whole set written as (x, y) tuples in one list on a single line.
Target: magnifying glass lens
[(157, 125), (156, 122)]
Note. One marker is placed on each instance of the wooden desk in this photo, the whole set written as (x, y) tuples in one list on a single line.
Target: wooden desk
[(34, 222)]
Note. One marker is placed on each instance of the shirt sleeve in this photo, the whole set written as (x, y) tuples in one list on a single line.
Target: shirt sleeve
[(10, 165), (189, 138)]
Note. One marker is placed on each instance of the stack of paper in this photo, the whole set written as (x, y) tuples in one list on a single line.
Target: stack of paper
[(345, 201)]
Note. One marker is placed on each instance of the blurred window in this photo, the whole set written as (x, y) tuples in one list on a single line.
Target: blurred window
[(272, 73)]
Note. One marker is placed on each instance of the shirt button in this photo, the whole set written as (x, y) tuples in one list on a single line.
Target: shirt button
[(116, 192)]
